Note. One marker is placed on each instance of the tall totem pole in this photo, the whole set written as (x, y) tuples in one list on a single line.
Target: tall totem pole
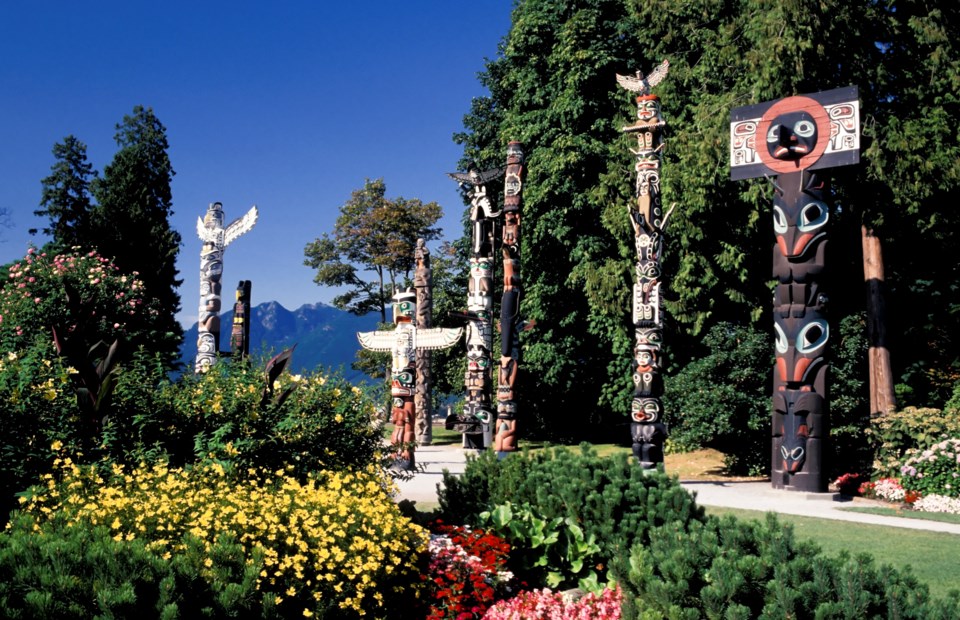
[(510, 324), (791, 139), (647, 429), (423, 400), (406, 343), (478, 415), (240, 332), (215, 239)]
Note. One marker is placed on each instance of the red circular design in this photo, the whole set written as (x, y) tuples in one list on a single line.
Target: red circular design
[(797, 103)]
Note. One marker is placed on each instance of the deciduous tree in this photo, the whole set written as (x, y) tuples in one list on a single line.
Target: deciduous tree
[(371, 249)]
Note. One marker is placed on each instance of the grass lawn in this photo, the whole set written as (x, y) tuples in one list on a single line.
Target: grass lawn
[(943, 517), (933, 556)]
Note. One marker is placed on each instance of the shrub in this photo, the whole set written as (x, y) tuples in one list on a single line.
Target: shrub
[(726, 568), (722, 400), (935, 471), (610, 499), (106, 303), (938, 503), (324, 423), (893, 434), (555, 552), (335, 543)]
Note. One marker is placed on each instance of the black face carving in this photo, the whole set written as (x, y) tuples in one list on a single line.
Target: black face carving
[(791, 136)]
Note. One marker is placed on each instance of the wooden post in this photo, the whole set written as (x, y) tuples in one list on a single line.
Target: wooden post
[(882, 397)]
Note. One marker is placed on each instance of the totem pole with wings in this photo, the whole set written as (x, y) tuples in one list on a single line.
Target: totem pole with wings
[(406, 343), (215, 238), (647, 429)]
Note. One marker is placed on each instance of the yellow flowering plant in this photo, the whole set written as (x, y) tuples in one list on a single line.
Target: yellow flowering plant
[(333, 544)]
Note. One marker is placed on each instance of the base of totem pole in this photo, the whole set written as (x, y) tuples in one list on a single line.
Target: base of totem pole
[(402, 464), (473, 441), (798, 483), (424, 440)]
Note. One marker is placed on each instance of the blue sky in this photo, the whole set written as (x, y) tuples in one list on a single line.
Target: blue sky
[(286, 105)]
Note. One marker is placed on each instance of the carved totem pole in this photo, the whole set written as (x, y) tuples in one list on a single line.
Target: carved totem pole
[(406, 342), (476, 422), (510, 324), (423, 400), (646, 217), (215, 239), (790, 139), (240, 332)]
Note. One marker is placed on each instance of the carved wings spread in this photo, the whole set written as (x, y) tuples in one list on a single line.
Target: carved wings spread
[(378, 340), (438, 337), (207, 235), (642, 85), (485, 176), (429, 339), (240, 226)]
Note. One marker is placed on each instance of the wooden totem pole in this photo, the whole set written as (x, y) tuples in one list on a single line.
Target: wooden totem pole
[(510, 324), (406, 342), (477, 419), (240, 332), (423, 400), (791, 139), (647, 429), (215, 239)]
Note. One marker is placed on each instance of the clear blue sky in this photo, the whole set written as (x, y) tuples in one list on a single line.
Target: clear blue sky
[(286, 105)]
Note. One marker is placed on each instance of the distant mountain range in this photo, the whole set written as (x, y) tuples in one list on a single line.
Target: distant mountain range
[(324, 335)]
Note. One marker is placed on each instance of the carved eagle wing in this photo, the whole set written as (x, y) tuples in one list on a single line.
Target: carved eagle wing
[(240, 226)]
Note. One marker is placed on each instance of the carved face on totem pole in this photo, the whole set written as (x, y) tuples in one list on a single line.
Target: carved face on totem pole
[(798, 419), (792, 135)]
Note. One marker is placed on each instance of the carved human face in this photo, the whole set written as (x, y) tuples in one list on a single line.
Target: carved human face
[(791, 135)]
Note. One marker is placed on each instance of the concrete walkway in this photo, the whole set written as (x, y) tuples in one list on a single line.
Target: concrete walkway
[(422, 488)]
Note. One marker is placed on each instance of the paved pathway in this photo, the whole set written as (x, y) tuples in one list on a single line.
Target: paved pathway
[(761, 496)]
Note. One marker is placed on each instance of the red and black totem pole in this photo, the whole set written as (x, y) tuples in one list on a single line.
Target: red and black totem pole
[(240, 331), (647, 429), (406, 343), (510, 324), (790, 140), (477, 420)]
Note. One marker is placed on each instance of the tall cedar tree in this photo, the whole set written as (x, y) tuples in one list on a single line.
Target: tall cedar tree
[(552, 86), (131, 221), (66, 196), (373, 235)]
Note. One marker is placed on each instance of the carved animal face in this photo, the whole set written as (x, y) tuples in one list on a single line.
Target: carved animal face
[(801, 344), (798, 415), (800, 225), (791, 136)]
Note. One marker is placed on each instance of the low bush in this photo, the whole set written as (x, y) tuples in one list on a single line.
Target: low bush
[(725, 568), (547, 605), (934, 471), (334, 544), (893, 434), (611, 500)]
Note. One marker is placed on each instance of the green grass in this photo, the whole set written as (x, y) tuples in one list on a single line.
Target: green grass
[(934, 557), (942, 517)]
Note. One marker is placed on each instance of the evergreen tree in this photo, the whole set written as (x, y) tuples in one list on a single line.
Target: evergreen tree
[(131, 220), (66, 195), (552, 87)]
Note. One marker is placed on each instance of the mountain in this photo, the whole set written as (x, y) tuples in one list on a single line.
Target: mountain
[(324, 335)]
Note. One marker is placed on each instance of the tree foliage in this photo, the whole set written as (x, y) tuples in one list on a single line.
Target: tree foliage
[(127, 222), (66, 196), (552, 86), (373, 235)]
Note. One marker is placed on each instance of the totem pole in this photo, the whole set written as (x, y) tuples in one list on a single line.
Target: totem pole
[(510, 324), (215, 239), (423, 283), (406, 343), (240, 332), (787, 140), (647, 429), (476, 422)]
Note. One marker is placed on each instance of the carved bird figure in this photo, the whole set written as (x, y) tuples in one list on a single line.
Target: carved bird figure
[(642, 85), (476, 177)]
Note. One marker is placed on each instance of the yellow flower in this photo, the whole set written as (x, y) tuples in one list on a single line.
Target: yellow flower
[(208, 562), (56, 445), (307, 613)]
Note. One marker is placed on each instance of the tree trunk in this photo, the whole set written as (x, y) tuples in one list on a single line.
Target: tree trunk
[(882, 397)]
